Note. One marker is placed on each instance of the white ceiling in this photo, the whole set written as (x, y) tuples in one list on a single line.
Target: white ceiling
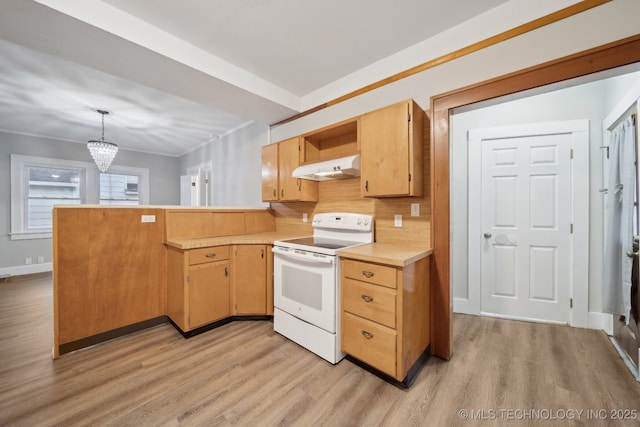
[(176, 75)]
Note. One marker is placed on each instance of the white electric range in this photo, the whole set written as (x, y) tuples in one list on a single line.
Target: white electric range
[(307, 281)]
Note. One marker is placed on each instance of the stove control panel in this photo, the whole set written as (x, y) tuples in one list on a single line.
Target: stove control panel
[(343, 221)]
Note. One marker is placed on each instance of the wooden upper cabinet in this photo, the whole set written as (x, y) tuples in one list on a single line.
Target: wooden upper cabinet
[(276, 174), (270, 187), (289, 159), (392, 151)]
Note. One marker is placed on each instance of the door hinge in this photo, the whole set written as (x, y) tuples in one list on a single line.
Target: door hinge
[(571, 228), (571, 153), (570, 302)]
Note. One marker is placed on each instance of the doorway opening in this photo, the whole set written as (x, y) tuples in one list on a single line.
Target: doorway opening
[(609, 60)]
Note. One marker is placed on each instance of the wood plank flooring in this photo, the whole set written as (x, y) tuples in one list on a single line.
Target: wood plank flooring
[(245, 374)]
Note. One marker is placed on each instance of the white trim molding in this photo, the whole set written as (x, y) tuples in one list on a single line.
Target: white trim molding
[(601, 321), (20, 270)]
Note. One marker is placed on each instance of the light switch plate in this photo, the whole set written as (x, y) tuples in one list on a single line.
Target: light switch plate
[(148, 218), (415, 209), (397, 220), (305, 218)]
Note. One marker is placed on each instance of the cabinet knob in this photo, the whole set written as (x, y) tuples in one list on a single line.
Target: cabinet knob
[(367, 273), (282, 193), (261, 253), (210, 255), (226, 271), (366, 185), (367, 298), (367, 335), (274, 192)]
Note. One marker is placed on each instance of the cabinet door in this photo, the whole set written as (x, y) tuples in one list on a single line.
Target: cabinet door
[(270, 173), (391, 151), (249, 282), (209, 291), (288, 160)]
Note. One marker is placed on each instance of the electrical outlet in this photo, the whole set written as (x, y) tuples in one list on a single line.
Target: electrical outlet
[(148, 218), (397, 220), (40, 259), (305, 218), (28, 260), (415, 209)]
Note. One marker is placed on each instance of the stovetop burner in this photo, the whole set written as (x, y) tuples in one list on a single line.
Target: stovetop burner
[(332, 232), (319, 242)]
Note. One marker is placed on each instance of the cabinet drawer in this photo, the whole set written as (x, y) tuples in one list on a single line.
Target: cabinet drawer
[(372, 273), (370, 342), (202, 255), (372, 302)]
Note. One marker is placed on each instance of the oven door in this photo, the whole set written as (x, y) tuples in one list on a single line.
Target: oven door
[(304, 285)]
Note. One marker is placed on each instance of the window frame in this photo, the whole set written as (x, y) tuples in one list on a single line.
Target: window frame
[(89, 188)]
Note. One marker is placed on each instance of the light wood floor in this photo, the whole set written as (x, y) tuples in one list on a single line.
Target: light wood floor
[(245, 374)]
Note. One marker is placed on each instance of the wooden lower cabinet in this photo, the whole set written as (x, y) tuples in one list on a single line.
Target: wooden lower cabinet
[(252, 280), (208, 289), (210, 284), (198, 288), (385, 314)]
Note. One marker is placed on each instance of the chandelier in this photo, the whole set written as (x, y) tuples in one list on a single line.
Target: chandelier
[(103, 152)]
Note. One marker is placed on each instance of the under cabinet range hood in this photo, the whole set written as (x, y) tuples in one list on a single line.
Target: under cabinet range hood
[(344, 167)]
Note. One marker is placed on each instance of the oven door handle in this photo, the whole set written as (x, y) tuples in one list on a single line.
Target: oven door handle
[(314, 258)]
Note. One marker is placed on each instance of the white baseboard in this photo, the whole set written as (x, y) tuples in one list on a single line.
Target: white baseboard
[(596, 320), (602, 321), (20, 270)]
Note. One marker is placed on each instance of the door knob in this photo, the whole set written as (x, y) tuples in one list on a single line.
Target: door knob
[(487, 235)]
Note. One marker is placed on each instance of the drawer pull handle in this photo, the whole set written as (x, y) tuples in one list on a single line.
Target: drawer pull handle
[(367, 298), (367, 335), (367, 273), (210, 255)]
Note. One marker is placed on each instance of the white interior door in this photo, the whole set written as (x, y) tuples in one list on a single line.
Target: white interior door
[(521, 235), (200, 192), (189, 190), (526, 217)]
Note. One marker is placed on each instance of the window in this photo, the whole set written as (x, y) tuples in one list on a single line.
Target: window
[(123, 186), (39, 183), (48, 187), (118, 189)]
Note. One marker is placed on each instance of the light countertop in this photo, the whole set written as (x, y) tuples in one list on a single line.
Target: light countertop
[(395, 254), (264, 238), (399, 255)]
